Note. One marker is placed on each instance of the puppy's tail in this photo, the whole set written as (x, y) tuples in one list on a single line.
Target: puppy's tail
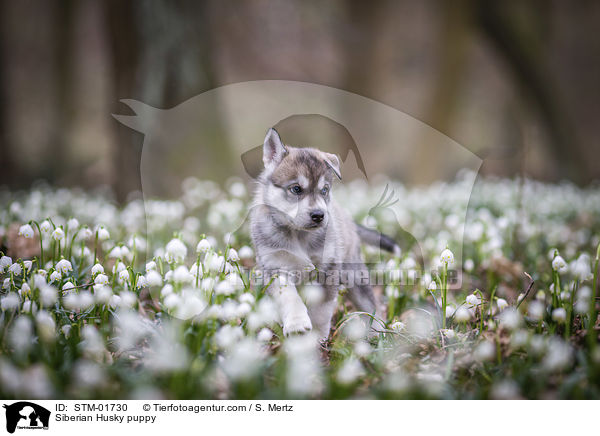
[(377, 239)]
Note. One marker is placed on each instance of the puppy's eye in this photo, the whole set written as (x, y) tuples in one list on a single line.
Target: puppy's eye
[(296, 189), (325, 190)]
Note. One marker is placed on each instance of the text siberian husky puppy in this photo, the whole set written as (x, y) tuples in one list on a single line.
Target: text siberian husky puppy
[(296, 227)]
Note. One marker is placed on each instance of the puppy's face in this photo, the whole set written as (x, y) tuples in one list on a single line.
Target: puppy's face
[(298, 183)]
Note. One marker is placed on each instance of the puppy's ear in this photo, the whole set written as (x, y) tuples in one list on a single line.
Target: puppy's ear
[(273, 149), (333, 162)]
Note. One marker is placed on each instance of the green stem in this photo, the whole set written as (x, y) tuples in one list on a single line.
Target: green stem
[(197, 270), (444, 292), (593, 315), (570, 311), (96, 248), (41, 244)]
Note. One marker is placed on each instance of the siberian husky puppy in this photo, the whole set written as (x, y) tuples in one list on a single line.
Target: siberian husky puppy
[(298, 229)]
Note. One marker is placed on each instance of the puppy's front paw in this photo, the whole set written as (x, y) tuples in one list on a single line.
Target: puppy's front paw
[(296, 322)]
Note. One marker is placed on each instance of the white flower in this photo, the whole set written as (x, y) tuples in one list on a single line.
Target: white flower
[(48, 295), (123, 276), (175, 251), (153, 278), (203, 246), (207, 284), (128, 299), (21, 335), (6, 283), (398, 326), (64, 266), (449, 333), (166, 290), (313, 295), (559, 315), (246, 297), (68, 286), (46, 326), (582, 306), (472, 300), (125, 253), (102, 233), (55, 276), (73, 223), (214, 263), (510, 318), (264, 335), (150, 266), (58, 234), (502, 304), (559, 264), (16, 269), (355, 329), (120, 266), (66, 330), (224, 287), (10, 301), (115, 253), (141, 282), (350, 371), (362, 348), (85, 234), (536, 310), (97, 269), (485, 351), (242, 310), (462, 314), (581, 268), (71, 301), (114, 301), (102, 294), (27, 264), (171, 301), (25, 288), (246, 252), (26, 231), (232, 255), (432, 286), (5, 262), (196, 270), (46, 227), (29, 306), (559, 355), (101, 279), (447, 257), (182, 275), (469, 265)]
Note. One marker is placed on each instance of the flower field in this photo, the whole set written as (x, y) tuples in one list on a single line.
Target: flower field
[(153, 299)]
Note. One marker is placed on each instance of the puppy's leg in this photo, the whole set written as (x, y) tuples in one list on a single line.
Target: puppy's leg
[(293, 312), (321, 314), (363, 298)]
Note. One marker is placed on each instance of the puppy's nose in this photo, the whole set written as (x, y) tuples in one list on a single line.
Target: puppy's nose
[(317, 216)]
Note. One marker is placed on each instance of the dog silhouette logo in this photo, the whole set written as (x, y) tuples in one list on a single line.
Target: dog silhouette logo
[(26, 415)]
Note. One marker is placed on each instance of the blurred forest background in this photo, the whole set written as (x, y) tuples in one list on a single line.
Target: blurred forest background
[(516, 82)]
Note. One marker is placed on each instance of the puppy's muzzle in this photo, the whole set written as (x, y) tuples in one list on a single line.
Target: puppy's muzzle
[(317, 216)]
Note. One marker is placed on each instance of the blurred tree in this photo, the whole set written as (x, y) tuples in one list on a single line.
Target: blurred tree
[(518, 31), (7, 168)]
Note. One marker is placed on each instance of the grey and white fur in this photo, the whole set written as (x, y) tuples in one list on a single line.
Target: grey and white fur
[(297, 227)]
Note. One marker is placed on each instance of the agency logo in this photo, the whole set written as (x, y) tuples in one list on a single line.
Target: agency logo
[(26, 415)]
